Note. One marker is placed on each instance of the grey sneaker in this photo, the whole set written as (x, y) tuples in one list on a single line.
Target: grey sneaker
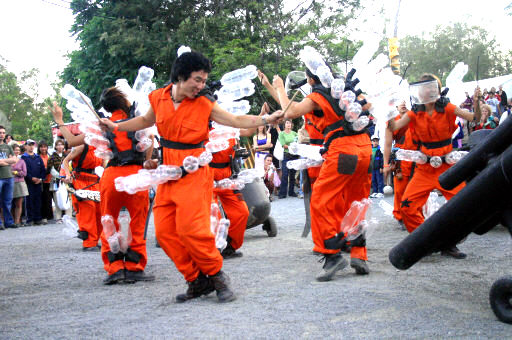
[(360, 266), (333, 263)]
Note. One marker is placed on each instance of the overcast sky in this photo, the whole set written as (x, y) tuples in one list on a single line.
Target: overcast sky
[(35, 33)]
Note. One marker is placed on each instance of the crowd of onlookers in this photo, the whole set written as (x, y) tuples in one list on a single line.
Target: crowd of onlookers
[(495, 106), (30, 178)]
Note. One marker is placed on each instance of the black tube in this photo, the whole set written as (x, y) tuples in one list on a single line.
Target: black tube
[(499, 139), (486, 195)]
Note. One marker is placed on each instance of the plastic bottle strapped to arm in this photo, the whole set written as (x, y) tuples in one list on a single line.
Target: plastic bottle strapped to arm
[(145, 179), (354, 223)]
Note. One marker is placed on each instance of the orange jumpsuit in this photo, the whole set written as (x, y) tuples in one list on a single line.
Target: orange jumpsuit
[(403, 140), (345, 177), (433, 133), (112, 201), (88, 213), (232, 201), (182, 207)]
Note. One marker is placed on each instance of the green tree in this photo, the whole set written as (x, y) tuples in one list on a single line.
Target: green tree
[(449, 45), (21, 113), (117, 37)]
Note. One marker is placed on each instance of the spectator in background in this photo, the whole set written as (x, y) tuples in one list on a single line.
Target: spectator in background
[(19, 170), (377, 169), (468, 103), (270, 178), (287, 137), (36, 172), (7, 158), (486, 120), (8, 139), (262, 143), (494, 103), (46, 203), (503, 99), (53, 168)]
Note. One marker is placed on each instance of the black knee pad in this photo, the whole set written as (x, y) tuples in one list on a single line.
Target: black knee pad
[(83, 235)]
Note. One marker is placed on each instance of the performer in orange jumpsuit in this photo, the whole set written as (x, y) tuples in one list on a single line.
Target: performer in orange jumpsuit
[(182, 207), (232, 201), (432, 123), (88, 213), (403, 170), (345, 177), (129, 266)]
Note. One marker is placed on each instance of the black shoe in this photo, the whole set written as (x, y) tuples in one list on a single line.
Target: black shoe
[(333, 263), (12, 226), (360, 266), (203, 285), (38, 222), (2, 227), (91, 249), (229, 252), (453, 252), (221, 284), (114, 278), (293, 195), (281, 197), (134, 276)]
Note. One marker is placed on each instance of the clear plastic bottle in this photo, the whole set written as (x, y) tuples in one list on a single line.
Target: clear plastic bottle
[(237, 108), (324, 74), (144, 144), (236, 91), (144, 75), (247, 73), (123, 86), (353, 111), (125, 238), (168, 172), (205, 158), (337, 87), (361, 123), (311, 58), (217, 145), (191, 164)]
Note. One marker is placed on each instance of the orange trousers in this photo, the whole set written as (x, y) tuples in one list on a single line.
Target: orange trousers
[(344, 178), (88, 214), (399, 188), (236, 212), (416, 194), (137, 205), (182, 224)]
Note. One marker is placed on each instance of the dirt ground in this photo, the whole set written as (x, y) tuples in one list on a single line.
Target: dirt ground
[(50, 289)]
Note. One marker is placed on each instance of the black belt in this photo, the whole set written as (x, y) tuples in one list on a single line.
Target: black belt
[(337, 134), (434, 145), (117, 162), (316, 141), (219, 165), (333, 127), (88, 171), (179, 146)]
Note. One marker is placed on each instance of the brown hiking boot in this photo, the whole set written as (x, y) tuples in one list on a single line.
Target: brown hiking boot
[(201, 286), (221, 283)]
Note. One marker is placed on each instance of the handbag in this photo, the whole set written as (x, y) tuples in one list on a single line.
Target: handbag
[(279, 151), (63, 198)]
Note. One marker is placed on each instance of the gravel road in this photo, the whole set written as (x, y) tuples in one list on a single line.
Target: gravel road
[(51, 289)]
